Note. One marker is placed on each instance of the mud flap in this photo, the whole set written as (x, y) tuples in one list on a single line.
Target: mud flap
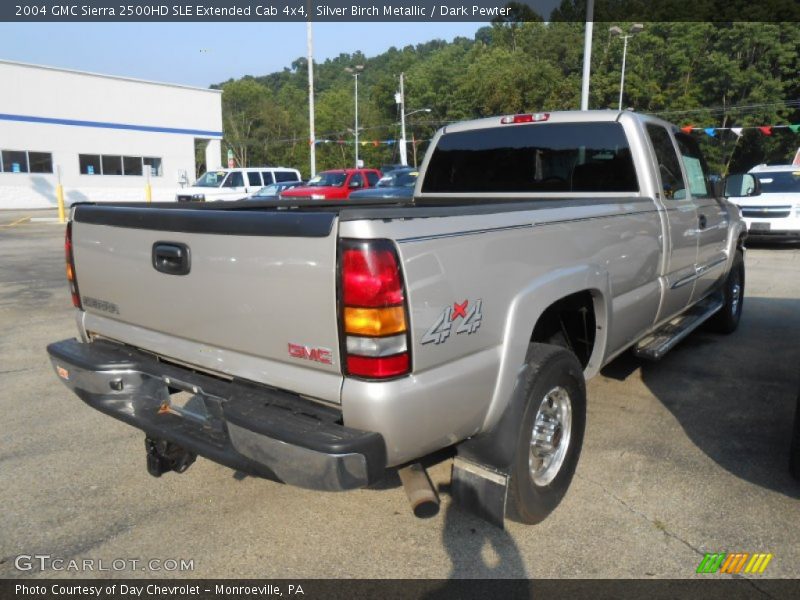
[(480, 489)]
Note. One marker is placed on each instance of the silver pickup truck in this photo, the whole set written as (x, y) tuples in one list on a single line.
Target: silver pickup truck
[(322, 343)]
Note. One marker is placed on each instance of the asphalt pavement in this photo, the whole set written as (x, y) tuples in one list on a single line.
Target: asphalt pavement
[(681, 457)]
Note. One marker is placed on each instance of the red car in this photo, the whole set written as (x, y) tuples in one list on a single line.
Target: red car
[(336, 184)]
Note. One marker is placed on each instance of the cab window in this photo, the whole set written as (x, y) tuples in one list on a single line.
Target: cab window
[(373, 178), (669, 167), (356, 180), (254, 179), (695, 166)]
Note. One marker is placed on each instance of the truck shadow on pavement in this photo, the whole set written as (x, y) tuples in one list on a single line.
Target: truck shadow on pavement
[(734, 395), (478, 549)]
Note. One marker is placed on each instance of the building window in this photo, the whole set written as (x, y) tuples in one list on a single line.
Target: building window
[(22, 161), (112, 165), (40, 162), (132, 165), (154, 164), (97, 164), (90, 164)]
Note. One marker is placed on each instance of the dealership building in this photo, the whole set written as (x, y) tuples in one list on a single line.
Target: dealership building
[(103, 138)]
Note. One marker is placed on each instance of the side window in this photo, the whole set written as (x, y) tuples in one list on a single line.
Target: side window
[(356, 180), (373, 178), (668, 165), (253, 178), (235, 179), (286, 176), (267, 177), (695, 165)]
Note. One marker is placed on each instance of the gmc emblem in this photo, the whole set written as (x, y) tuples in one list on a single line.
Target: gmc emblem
[(320, 355)]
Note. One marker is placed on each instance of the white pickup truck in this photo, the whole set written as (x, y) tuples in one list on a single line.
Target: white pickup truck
[(322, 343)]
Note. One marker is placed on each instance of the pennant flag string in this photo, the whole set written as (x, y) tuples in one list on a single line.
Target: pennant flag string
[(764, 129)]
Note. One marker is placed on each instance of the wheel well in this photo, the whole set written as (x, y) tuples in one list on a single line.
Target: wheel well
[(569, 322)]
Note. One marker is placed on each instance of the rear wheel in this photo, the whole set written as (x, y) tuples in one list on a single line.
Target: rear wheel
[(726, 320), (551, 432)]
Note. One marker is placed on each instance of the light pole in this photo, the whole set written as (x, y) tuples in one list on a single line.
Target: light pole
[(403, 141), (587, 54), (354, 71), (312, 140), (614, 30), (400, 98)]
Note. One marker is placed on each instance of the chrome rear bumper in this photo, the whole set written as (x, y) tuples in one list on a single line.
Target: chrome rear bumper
[(252, 428)]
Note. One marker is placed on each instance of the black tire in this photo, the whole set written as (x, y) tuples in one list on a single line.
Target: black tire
[(550, 368), (726, 320), (794, 449)]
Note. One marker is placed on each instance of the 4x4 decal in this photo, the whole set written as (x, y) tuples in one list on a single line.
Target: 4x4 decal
[(469, 313)]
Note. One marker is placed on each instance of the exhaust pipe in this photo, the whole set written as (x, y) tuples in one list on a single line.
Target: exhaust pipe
[(423, 498)]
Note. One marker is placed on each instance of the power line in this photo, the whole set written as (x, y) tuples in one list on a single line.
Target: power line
[(716, 110)]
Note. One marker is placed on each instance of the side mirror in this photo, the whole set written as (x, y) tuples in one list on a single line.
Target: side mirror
[(741, 185)]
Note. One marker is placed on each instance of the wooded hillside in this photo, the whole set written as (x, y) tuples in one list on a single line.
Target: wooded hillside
[(711, 76)]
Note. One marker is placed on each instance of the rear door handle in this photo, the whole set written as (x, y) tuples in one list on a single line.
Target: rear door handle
[(172, 258)]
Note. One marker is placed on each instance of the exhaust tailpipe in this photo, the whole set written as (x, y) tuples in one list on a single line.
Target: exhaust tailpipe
[(423, 498)]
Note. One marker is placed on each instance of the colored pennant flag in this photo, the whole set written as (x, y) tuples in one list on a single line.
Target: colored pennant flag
[(390, 142), (766, 129), (375, 143), (687, 128), (737, 131), (710, 132), (795, 128)]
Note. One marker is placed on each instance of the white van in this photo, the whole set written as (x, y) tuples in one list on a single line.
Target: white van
[(234, 184)]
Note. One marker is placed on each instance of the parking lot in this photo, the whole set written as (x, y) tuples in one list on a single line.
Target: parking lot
[(682, 457)]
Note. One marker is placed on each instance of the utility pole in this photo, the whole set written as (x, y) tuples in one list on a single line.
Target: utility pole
[(614, 30)]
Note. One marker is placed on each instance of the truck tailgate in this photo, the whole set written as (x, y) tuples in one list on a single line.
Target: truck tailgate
[(258, 301)]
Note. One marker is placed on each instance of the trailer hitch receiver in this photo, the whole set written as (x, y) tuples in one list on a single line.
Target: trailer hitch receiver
[(164, 456)]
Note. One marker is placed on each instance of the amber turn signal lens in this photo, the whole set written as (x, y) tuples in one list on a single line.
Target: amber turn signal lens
[(374, 321)]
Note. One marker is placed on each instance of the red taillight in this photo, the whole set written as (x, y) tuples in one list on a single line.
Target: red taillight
[(378, 368), (525, 118), (70, 260), (370, 277), (373, 310)]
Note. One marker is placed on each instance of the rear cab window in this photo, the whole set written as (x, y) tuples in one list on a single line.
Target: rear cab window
[(552, 157)]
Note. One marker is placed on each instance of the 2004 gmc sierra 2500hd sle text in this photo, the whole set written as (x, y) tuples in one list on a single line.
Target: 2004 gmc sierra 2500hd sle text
[(321, 343)]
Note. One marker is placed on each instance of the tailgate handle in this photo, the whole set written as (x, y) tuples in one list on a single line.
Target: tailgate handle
[(171, 258)]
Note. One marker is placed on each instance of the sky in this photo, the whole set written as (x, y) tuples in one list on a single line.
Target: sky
[(200, 54)]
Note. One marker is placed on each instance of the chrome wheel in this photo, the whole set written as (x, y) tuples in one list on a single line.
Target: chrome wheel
[(552, 429)]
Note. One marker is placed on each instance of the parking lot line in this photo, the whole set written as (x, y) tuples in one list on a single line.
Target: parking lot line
[(17, 222)]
